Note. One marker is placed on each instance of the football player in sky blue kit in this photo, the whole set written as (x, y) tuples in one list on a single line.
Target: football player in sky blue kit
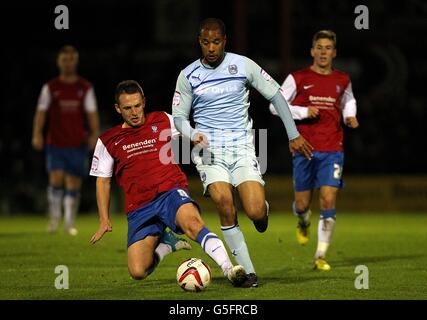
[(216, 88)]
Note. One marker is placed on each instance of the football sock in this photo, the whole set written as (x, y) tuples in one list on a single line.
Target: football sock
[(71, 204), (54, 197), (325, 231), (214, 247), (302, 215), (162, 250), (236, 242)]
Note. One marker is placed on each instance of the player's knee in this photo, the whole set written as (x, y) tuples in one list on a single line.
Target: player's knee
[(140, 270), (137, 276), (301, 205), (256, 211), (56, 178), (138, 273), (327, 202)]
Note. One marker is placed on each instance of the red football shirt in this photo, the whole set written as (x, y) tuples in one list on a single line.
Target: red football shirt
[(141, 158), (65, 104), (331, 94)]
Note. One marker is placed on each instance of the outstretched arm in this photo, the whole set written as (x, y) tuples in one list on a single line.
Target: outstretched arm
[(102, 167), (289, 91), (296, 142), (270, 89), (282, 108), (103, 188)]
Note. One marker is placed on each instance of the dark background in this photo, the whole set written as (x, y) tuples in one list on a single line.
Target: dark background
[(151, 41)]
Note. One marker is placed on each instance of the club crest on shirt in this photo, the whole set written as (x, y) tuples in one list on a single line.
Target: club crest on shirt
[(338, 87), (232, 68), (203, 176), (154, 129)]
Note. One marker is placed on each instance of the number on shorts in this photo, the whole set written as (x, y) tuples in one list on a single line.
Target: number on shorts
[(337, 171)]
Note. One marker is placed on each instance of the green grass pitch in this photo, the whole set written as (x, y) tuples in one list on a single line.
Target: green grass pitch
[(393, 247)]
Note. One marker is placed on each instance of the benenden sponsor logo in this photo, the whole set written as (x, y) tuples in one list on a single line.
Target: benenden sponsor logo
[(322, 99), (147, 143), (322, 102)]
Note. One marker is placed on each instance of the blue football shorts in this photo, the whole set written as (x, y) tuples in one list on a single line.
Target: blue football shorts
[(324, 169), (153, 218), (73, 161)]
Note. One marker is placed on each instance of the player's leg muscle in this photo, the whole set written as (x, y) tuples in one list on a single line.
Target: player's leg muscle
[(252, 195), (72, 182), (222, 195), (140, 257), (302, 200), (327, 197), (56, 178), (189, 220)]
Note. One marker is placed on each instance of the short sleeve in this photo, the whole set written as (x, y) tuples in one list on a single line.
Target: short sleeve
[(44, 99), (348, 103), (102, 161), (90, 104)]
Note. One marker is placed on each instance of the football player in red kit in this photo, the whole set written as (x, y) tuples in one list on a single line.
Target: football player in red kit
[(319, 97), (138, 152), (65, 103)]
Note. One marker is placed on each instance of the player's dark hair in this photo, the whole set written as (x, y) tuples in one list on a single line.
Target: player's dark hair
[(129, 87), (212, 24), (325, 34), (67, 49)]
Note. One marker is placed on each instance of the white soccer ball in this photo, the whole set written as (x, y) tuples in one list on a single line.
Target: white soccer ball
[(193, 275)]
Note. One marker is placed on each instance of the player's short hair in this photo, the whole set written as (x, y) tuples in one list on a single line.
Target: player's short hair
[(325, 34), (212, 24), (68, 49), (129, 87)]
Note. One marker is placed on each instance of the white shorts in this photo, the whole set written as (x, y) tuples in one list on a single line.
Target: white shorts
[(234, 165)]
